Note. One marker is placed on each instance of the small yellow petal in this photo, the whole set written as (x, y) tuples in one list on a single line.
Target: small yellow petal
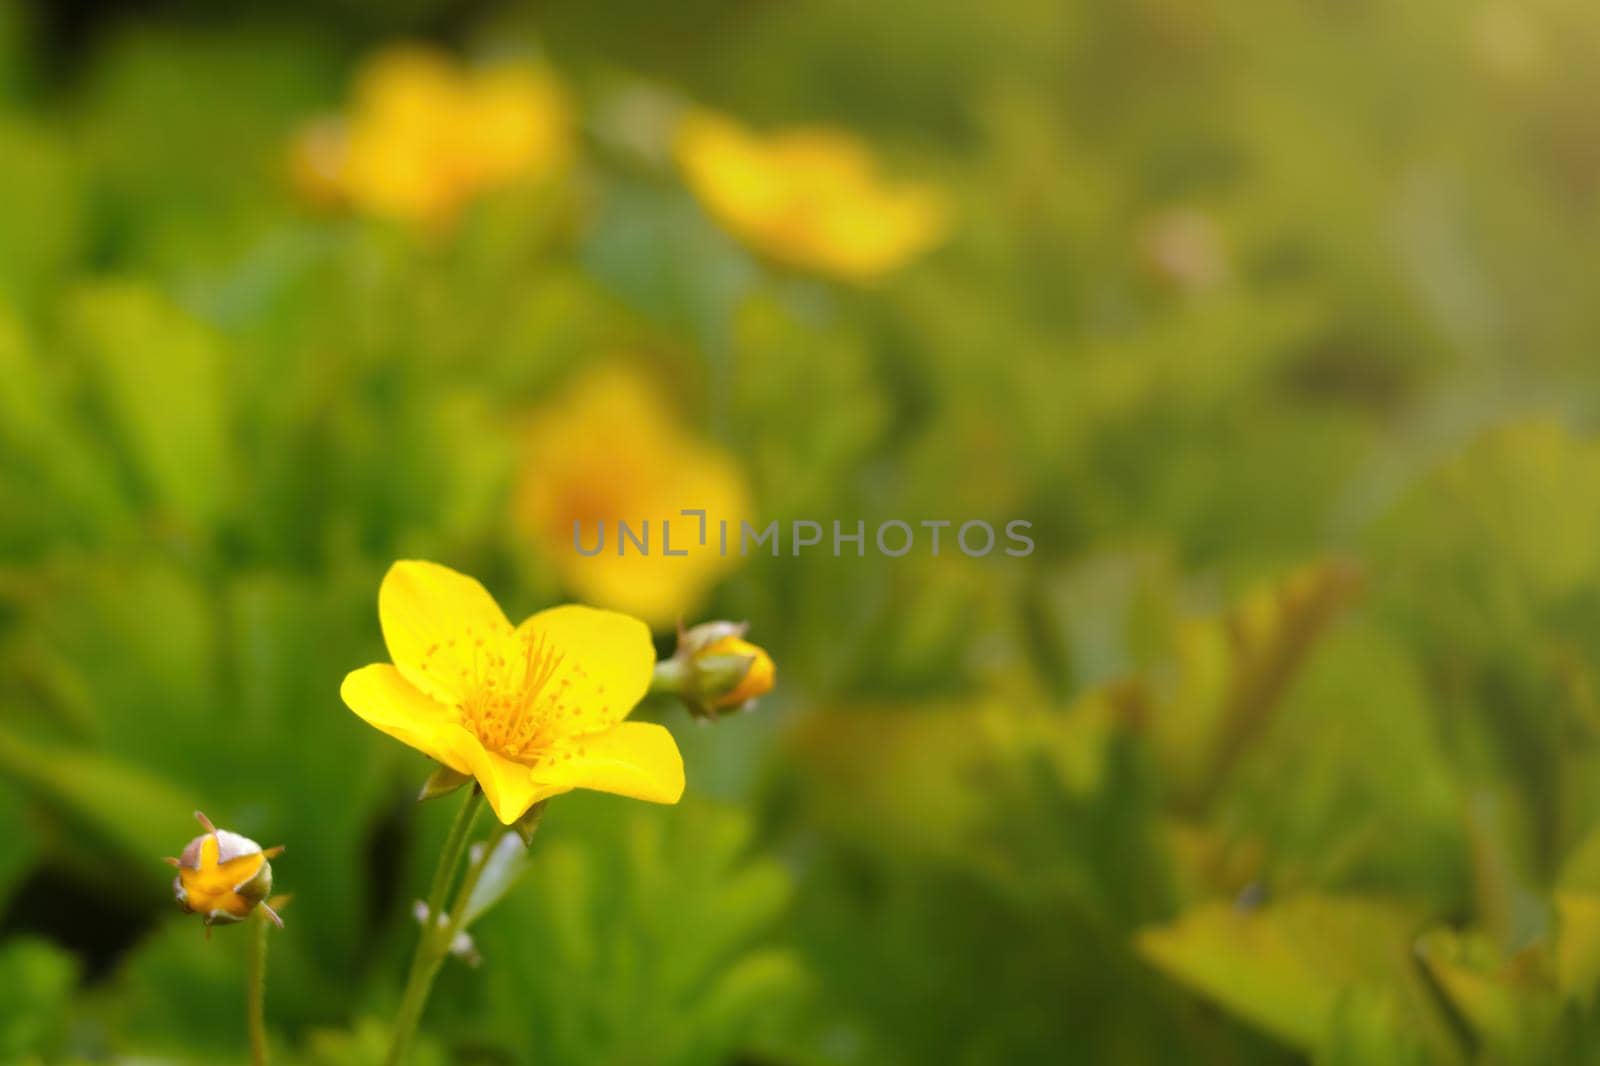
[(423, 135), (406, 81), (606, 662), (384, 699), (440, 626), (514, 120), (236, 872), (213, 885), (810, 197), (509, 786), (637, 759)]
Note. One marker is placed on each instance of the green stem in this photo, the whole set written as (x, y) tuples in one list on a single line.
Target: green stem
[(455, 843), (671, 676), (431, 951), (256, 994), (458, 909)]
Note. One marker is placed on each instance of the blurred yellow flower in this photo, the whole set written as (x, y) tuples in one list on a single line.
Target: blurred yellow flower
[(223, 876), (530, 711), (810, 198), (423, 136), (609, 451)]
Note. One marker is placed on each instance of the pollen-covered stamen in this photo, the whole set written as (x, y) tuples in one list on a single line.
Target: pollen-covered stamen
[(516, 704)]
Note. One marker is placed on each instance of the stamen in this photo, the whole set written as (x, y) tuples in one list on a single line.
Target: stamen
[(512, 706)]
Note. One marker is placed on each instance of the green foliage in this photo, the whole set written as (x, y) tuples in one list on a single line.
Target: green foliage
[(39, 980), (159, 376), (640, 935), (1287, 967), (120, 806), (1273, 319)]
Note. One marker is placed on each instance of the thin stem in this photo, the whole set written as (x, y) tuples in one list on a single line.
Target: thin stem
[(256, 994), (458, 909), (430, 949), (455, 843), (670, 676)]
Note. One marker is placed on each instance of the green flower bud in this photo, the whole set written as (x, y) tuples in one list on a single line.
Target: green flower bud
[(715, 669)]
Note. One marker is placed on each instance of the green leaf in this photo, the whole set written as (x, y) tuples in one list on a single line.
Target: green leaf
[(1284, 967), (43, 212), (162, 376), (17, 845), (17, 46), (640, 934), (140, 815), (1235, 669), (1485, 550), (182, 992), (367, 1044), (41, 453), (1507, 1000), (38, 979), (750, 986), (1577, 946), (1393, 816), (1366, 1028)]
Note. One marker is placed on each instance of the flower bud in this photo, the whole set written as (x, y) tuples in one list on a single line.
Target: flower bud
[(715, 669), (759, 673), (223, 876), (462, 946)]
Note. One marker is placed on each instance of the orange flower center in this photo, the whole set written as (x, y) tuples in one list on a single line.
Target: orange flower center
[(514, 701), (519, 695)]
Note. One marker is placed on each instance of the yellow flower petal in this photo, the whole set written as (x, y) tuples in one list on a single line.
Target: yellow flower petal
[(433, 619), (384, 699), (413, 82), (514, 120), (423, 136), (809, 197), (637, 759), (509, 786), (606, 661), (214, 885)]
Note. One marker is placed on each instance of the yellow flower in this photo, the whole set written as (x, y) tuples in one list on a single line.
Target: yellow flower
[(530, 711), (424, 136), (608, 450), (809, 198), (223, 876)]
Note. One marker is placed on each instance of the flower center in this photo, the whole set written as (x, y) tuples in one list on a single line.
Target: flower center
[(514, 702)]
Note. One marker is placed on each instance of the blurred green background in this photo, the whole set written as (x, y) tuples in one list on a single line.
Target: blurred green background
[(1275, 318)]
